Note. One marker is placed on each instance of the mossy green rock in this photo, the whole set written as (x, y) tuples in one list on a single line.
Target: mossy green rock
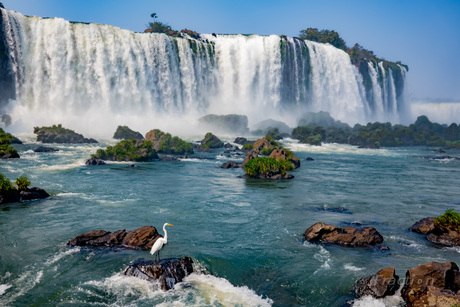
[(211, 141), (167, 144), (128, 150), (59, 134), (125, 133)]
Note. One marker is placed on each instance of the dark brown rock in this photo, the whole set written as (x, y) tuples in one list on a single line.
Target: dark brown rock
[(384, 283), (348, 236), (436, 297), (141, 238), (424, 226), (249, 156), (95, 161), (33, 193), (45, 149), (231, 164), (422, 281), (167, 272), (281, 154)]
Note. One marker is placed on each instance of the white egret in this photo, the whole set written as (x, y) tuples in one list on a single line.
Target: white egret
[(160, 242)]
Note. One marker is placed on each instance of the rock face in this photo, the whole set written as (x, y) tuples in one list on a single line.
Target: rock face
[(348, 236), (9, 156), (58, 134), (280, 154), (167, 144), (141, 238), (432, 284), (167, 272), (232, 123), (45, 149), (95, 161), (240, 140), (384, 283), (125, 133), (437, 234)]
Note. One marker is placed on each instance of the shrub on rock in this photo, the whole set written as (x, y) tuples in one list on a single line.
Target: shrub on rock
[(128, 150)]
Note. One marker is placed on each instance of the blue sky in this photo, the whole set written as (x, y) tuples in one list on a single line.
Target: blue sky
[(422, 34)]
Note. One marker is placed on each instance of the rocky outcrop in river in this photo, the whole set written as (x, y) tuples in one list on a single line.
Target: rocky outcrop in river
[(141, 238), (348, 236), (436, 232), (166, 272), (58, 134)]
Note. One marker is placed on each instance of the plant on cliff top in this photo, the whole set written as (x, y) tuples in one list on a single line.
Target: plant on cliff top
[(22, 183), (5, 184), (265, 167), (450, 219)]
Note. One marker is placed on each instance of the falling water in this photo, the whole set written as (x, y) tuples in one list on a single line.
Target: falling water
[(94, 77)]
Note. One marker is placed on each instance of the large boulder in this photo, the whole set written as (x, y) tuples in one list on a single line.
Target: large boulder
[(33, 193), (58, 134), (283, 154), (141, 238), (126, 150), (45, 149), (211, 141), (125, 133), (384, 283), (432, 284), (94, 161), (348, 236), (437, 233), (167, 144), (231, 164), (231, 123), (166, 272)]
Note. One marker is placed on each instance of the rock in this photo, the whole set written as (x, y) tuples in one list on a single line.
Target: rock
[(125, 133), (167, 272), (128, 150), (265, 126), (33, 193), (141, 238), (281, 154), (384, 283), (211, 141), (16, 140), (228, 145), (231, 123), (437, 234), (249, 156), (45, 149), (269, 177), (167, 144), (424, 226), (95, 161), (9, 156), (348, 236), (11, 197), (426, 284), (58, 134), (309, 159), (232, 164), (435, 297), (168, 158), (240, 140), (440, 150)]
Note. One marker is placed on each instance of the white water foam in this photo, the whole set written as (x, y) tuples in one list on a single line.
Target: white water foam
[(322, 255), (194, 290), (3, 288), (389, 301), (350, 267)]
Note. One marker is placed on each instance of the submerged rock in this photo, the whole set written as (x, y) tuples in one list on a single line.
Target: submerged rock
[(95, 161), (348, 236), (232, 164), (141, 238), (384, 283), (432, 284), (436, 233), (45, 149), (167, 272)]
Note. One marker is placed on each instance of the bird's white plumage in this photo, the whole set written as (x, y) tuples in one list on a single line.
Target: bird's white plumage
[(160, 241)]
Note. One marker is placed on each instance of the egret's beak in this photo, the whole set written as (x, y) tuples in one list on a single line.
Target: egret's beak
[(170, 224)]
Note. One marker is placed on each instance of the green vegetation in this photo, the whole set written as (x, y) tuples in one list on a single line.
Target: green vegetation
[(374, 135), (128, 150), (5, 185), (59, 134), (125, 133), (5, 141), (323, 36), (159, 27), (165, 143), (22, 183), (263, 167), (450, 219), (248, 146)]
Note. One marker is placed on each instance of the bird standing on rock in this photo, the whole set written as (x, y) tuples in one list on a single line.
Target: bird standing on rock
[(160, 242)]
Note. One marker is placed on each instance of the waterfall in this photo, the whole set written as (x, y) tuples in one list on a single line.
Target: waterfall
[(94, 77)]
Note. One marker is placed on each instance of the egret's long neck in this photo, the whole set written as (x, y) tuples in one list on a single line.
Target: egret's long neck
[(166, 233)]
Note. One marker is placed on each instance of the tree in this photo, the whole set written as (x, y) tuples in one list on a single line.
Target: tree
[(323, 36), (154, 15)]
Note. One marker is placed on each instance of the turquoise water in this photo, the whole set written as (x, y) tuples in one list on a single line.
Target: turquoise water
[(246, 233)]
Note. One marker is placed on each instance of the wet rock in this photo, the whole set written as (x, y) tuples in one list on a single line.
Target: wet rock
[(240, 140), (280, 154), (45, 149), (249, 156), (384, 283), (437, 234), (211, 141), (309, 159), (59, 134), (269, 177), (12, 197), (232, 164), (9, 156), (94, 161), (167, 272), (33, 193), (348, 236), (424, 226), (125, 133), (168, 158), (432, 283), (141, 238)]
